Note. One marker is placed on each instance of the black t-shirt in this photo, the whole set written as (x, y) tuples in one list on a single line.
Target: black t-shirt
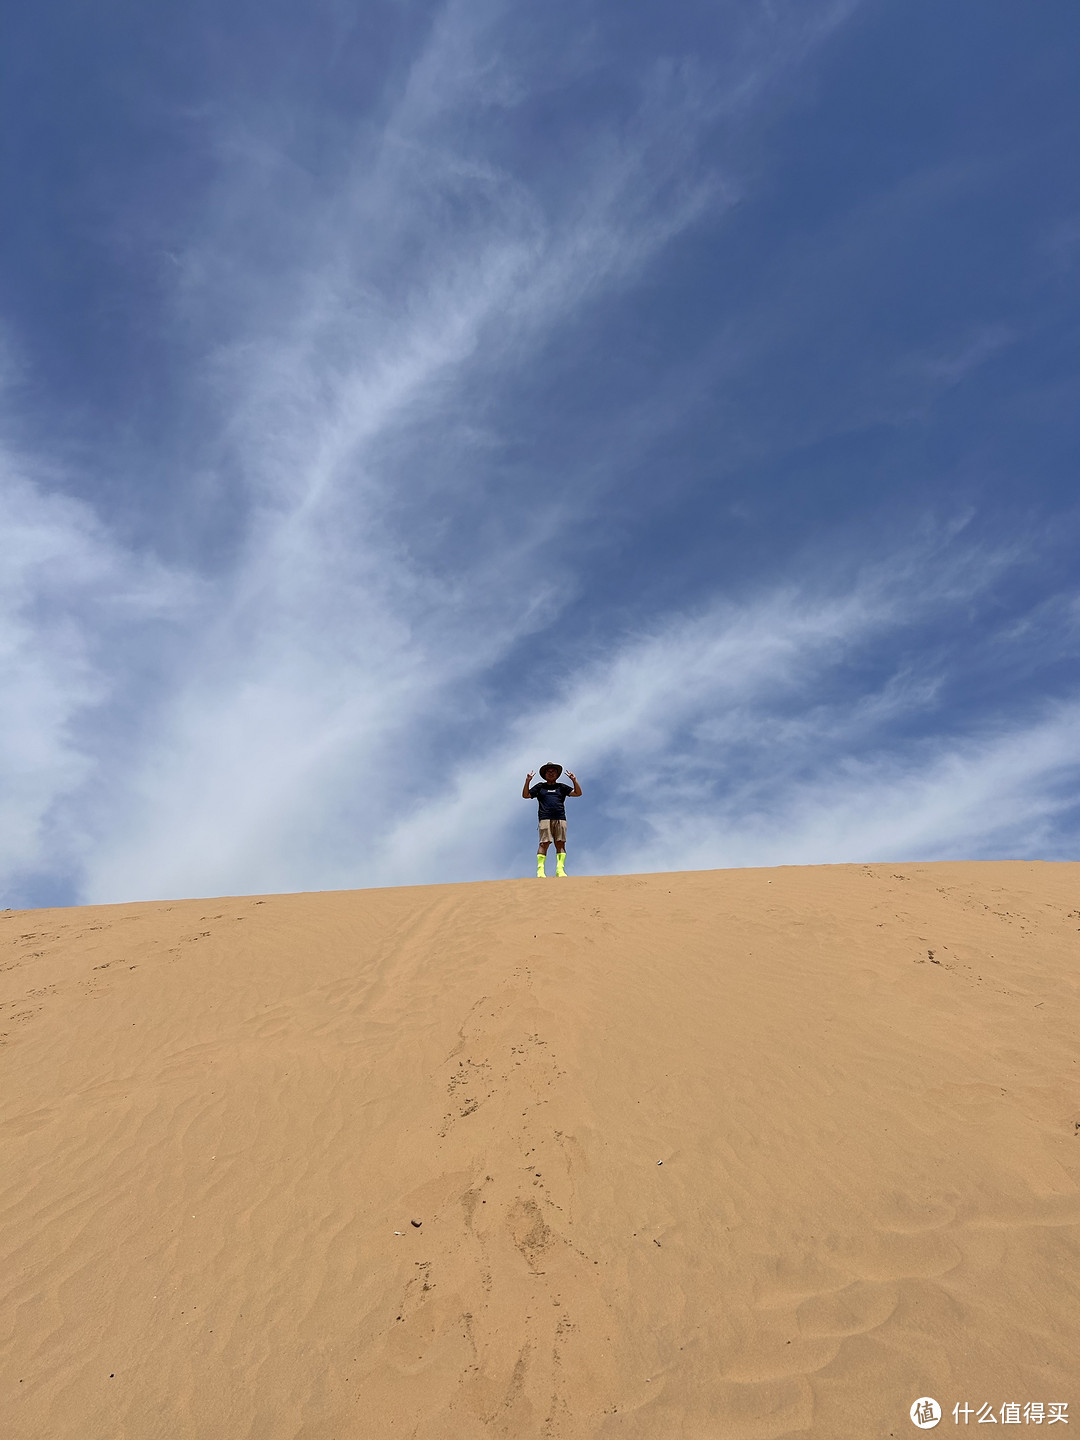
[(550, 799)]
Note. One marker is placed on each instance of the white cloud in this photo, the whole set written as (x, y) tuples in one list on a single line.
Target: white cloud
[(320, 711), (66, 589), (336, 644), (759, 742), (961, 797)]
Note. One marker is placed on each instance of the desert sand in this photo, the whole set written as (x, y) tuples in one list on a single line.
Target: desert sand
[(746, 1154)]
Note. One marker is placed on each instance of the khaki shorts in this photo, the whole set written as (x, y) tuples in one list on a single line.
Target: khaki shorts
[(552, 830)]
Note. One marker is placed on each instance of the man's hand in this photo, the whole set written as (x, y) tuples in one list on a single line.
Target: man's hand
[(525, 788), (530, 775), (577, 787)]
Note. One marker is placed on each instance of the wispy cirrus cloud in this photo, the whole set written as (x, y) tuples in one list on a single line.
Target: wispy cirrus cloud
[(69, 592), (389, 499), (806, 724), (352, 424)]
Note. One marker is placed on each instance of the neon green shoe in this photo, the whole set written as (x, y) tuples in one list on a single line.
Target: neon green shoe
[(541, 873), (560, 864)]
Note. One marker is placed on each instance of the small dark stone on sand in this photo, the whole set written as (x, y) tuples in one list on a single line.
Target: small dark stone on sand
[(417, 1223)]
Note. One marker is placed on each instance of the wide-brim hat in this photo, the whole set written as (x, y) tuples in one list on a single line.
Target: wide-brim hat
[(551, 766)]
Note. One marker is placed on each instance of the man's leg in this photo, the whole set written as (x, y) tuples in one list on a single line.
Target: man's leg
[(560, 850), (542, 849)]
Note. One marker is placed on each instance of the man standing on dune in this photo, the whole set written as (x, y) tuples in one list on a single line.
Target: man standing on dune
[(551, 794)]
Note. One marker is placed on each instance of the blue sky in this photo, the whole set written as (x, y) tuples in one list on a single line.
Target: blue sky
[(396, 396)]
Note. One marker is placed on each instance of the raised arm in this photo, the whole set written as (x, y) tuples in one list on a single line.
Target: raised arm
[(525, 788), (577, 788)]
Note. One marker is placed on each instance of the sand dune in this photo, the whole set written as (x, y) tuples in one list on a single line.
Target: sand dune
[(220, 1119)]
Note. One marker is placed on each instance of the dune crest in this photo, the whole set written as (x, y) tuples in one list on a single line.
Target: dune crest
[(742, 1154)]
